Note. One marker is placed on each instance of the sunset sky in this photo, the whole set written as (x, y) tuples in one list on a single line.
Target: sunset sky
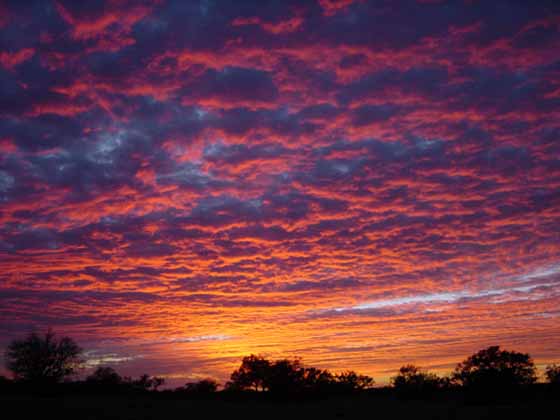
[(360, 183)]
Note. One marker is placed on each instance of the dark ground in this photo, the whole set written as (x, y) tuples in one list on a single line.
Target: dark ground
[(357, 406)]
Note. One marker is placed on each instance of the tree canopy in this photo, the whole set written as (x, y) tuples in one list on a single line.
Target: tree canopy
[(251, 374), (495, 367), (105, 376), (204, 386), (412, 379), (43, 358), (289, 376), (47, 359)]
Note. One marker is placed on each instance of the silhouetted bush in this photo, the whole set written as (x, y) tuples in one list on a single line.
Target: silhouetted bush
[(495, 370), (105, 376), (552, 374), (350, 381), (42, 360), (145, 382), (412, 381), (106, 380), (204, 386), (318, 380)]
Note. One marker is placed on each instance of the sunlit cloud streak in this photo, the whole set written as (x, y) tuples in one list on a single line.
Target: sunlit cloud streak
[(448, 297)]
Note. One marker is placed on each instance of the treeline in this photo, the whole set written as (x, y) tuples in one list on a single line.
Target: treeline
[(44, 363), (290, 376)]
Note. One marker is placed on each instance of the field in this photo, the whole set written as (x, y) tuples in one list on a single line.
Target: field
[(356, 406)]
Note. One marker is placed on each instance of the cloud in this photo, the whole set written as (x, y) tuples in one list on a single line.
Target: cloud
[(231, 87), (11, 60)]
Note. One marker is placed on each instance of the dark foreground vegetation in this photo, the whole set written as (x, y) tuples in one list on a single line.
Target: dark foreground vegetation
[(370, 404), (492, 383)]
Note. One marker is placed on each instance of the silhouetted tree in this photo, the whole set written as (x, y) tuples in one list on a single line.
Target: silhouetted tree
[(351, 381), (552, 374), (39, 359), (495, 368), (284, 376), (105, 376), (290, 376), (251, 374), (318, 380), (412, 379), (204, 386), (146, 382)]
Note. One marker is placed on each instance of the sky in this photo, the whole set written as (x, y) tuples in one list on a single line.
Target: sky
[(362, 184)]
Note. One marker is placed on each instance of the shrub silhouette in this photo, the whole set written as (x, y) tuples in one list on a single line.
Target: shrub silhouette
[(495, 368), (412, 380), (105, 376), (37, 359), (351, 381), (106, 379), (552, 374), (145, 382), (318, 380), (204, 386)]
